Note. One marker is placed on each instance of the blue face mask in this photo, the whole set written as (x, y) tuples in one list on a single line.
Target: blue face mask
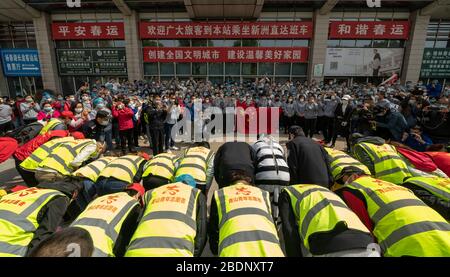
[(48, 109)]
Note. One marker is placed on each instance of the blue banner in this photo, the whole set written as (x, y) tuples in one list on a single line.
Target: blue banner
[(20, 62)]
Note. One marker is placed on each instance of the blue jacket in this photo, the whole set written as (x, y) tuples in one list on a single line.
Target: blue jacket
[(396, 123)]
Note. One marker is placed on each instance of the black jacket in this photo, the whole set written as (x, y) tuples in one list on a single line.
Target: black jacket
[(127, 230), (340, 239), (156, 117), (307, 161), (213, 228), (233, 156), (200, 238), (93, 130)]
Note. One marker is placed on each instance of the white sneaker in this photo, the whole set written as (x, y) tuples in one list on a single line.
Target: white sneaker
[(168, 151), (174, 148)]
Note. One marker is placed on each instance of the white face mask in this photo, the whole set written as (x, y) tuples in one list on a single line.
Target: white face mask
[(78, 110)]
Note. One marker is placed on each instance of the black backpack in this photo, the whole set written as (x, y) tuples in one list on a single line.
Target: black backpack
[(26, 133)]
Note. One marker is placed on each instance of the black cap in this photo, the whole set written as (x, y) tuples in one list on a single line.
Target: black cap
[(102, 114)]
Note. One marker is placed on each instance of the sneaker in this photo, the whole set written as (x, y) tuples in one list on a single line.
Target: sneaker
[(168, 151), (174, 148)]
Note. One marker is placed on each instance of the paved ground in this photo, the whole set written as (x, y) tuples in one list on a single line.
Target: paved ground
[(9, 175)]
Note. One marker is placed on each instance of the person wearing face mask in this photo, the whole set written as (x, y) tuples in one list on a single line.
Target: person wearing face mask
[(47, 113), (29, 110), (80, 116), (330, 105), (344, 111), (69, 103), (86, 100), (288, 113), (311, 112), (124, 117), (173, 114), (300, 107), (97, 128), (157, 114)]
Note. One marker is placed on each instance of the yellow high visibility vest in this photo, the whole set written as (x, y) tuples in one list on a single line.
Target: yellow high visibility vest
[(168, 227), (246, 227), (38, 155), (103, 219), (50, 125), (194, 163), (438, 186), (19, 218), (92, 170), (318, 210), (61, 157), (388, 164), (123, 168), (404, 225), (162, 165), (340, 160)]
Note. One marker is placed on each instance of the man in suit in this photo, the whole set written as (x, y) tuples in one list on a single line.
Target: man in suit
[(343, 113)]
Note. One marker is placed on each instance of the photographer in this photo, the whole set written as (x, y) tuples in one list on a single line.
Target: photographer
[(156, 114), (416, 139)]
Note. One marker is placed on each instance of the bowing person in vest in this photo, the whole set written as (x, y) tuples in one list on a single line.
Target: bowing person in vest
[(173, 223), (65, 159), (29, 216), (119, 173), (197, 161), (240, 222), (102, 230), (382, 159), (402, 224), (88, 176), (316, 222), (159, 171), (434, 191)]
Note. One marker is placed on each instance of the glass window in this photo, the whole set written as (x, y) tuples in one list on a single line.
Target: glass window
[(215, 68), (440, 44), (183, 43), (299, 68), (232, 68), (90, 43), (32, 42), (67, 85), (150, 68), (347, 43), (20, 44), (267, 42), (198, 68), (199, 42), (395, 43), (215, 42), (6, 44), (333, 43), (380, 43), (429, 43), (216, 80), (300, 42), (231, 43), (166, 68), (77, 44), (284, 42), (183, 68), (249, 69), (282, 68), (167, 42), (249, 42), (363, 43), (119, 43), (266, 68), (281, 79), (147, 42), (62, 44), (106, 43)]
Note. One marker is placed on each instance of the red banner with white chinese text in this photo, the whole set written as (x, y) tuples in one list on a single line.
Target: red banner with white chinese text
[(225, 30), (226, 54), (75, 31), (369, 29)]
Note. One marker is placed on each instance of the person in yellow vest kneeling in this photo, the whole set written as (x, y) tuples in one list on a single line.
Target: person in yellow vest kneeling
[(29, 216), (402, 224), (102, 230), (241, 223), (159, 171), (173, 223), (316, 222)]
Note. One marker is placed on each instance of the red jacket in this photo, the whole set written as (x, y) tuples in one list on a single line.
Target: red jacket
[(124, 117), (25, 150), (442, 160), (7, 147)]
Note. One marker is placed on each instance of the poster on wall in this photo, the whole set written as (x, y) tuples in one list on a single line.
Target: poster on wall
[(435, 63), (376, 62)]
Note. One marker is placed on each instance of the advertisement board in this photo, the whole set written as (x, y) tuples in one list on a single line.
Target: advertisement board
[(20, 62), (99, 61)]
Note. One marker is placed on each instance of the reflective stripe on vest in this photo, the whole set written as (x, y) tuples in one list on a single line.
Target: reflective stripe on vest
[(404, 225), (195, 163), (438, 186), (168, 227), (103, 219), (19, 218), (123, 168), (340, 160), (32, 162), (92, 170), (162, 165), (246, 227), (62, 156), (388, 165), (322, 209), (50, 125)]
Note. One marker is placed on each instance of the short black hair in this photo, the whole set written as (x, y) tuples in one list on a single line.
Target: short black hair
[(102, 114), (296, 130), (64, 243), (236, 175)]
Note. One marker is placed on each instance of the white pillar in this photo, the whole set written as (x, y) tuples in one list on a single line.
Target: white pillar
[(133, 47)]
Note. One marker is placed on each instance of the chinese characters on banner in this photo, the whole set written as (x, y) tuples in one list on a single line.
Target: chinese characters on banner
[(436, 63), (20, 62), (226, 54), (369, 29), (101, 30), (225, 30)]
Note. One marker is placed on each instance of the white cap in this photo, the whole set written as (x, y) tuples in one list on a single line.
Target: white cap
[(346, 97)]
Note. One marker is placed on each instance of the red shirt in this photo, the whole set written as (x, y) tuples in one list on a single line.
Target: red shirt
[(358, 206), (25, 150), (124, 117)]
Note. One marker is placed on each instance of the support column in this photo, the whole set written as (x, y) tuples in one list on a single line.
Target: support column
[(415, 45), (3, 84), (135, 65), (318, 48), (47, 54)]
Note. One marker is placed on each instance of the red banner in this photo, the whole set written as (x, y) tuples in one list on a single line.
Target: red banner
[(101, 30), (369, 29), (226, 30), (226, 54)]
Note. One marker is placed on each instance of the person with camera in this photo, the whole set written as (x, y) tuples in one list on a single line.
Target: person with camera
[(416, 139), (124, 115), (156, 114)]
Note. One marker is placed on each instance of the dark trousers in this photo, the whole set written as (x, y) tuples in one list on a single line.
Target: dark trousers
[(126, 136), (87, 193), (300, 121), (288, 122), (27, 121), (136, 133), (168, 141), (157, 140), (310, 127), (328, 128), (109, 185), (152, 182), (27, 176), (5, 127)]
